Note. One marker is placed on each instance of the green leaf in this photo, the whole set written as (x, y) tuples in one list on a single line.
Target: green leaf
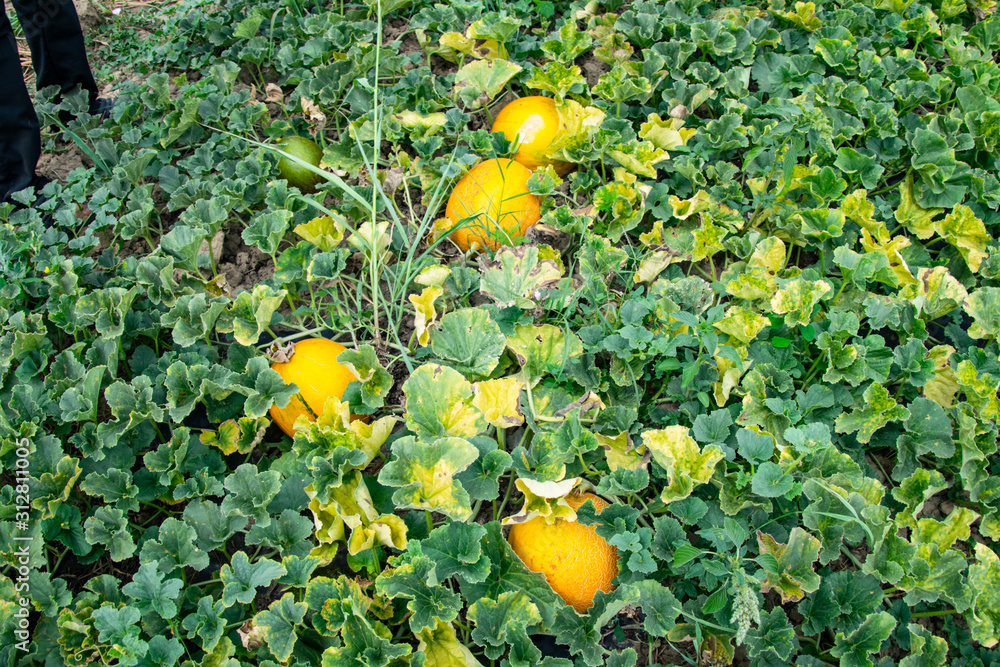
[(114, 487), (508, 574), (482, 478), (174, 547), (456, 548), (770, 481), (206, 622), (725, 133), (151, 593), (266, 230), (773, 639), (430, 602), (925, 649), (876, 410), (289, 534), (241, 580), (469, 340), (212, 526), (425, 474), (568, 44), (250, 492), (943, 179), (504, 621), (439, 403), (50, 595), (660, 606), (375, 380), (825, 186), (109, 527), (854, 650), (268, 388), (277, 625), (119, 627), (193, 317), (844, 600), (820, 224), (850, 161)]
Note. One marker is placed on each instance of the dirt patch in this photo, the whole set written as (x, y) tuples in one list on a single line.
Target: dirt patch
[(593, 69), (441, 67), (393, 29), (409, 45), (249, 268), (57, 166), (243, 266)]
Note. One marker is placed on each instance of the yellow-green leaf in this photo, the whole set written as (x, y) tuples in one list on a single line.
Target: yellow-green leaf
[(665, 134), (439, 403), (546, 499), (500, 401), (323, 232), (442, 648), (425, 474), (965, 231), (912, 215), (796, 297), (686, 464), (742, 323), (424, 314)]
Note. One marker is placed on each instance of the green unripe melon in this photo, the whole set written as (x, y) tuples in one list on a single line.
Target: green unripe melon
[(297, 175)]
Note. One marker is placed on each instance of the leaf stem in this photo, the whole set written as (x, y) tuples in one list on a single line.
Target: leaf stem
[(928, 614)]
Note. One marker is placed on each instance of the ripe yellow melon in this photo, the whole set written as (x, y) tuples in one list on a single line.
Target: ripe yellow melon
[(314, 369), (534, 123), (575, 560), (496, 193)]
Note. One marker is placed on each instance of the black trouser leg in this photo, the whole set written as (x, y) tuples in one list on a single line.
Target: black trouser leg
[(58, 55), (20, 142)]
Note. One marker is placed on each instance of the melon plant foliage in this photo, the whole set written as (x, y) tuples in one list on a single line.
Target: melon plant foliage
[(761, 316)]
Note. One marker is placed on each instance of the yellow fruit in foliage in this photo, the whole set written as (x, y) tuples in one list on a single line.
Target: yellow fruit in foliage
[(496, 193), (314, 369), (575, 560), (533, 122)]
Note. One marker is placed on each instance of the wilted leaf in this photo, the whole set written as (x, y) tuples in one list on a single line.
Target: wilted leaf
[(686, 464), (500, 401), (478, 82), (425, 473), (794, 576), (439, 403), (517, 276)]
